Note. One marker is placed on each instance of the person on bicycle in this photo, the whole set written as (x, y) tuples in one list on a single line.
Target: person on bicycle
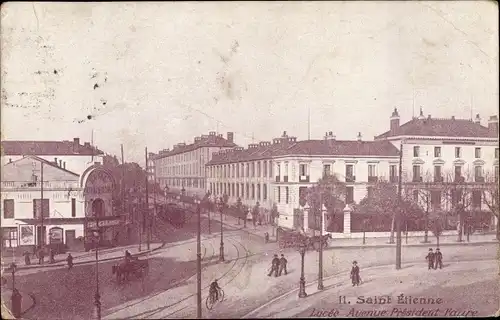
[(214, 290)]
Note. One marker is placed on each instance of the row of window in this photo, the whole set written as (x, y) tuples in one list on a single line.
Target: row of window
[(9, 208), (187, 156), (183, 182), (181, 169), (458, 152), (438, 174), (244, 191), (236, 170)]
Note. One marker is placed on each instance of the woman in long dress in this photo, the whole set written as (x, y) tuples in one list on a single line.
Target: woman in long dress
[(355, 274)]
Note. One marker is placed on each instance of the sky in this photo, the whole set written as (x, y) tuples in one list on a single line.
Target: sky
[(156, 74)]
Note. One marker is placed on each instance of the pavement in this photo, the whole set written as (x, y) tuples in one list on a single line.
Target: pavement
[(86, 257), (383, 280), (28, 302), (260, 231)]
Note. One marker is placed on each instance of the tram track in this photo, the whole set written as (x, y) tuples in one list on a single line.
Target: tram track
[(239, 256)]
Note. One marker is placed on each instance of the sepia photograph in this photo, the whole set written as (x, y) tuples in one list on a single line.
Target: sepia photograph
[(267, 159)]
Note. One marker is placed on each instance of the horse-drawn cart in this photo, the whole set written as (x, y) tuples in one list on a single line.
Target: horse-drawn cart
[(134, 266), (292, 238)]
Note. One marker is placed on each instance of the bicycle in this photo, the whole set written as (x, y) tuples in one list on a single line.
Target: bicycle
[(210, 301)]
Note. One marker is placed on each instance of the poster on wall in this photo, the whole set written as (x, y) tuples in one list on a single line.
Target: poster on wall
[(56, 235), (27, 235)]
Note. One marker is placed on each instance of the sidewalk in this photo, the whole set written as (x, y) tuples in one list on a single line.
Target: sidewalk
[(28, 302), (369, 242), (86, 257)]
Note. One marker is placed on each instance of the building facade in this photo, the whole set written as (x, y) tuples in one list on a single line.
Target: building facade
[(150, 167), (183, 167), (277, 172), (438, 154), (70, 201)]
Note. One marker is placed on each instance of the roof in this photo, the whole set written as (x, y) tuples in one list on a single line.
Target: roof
[(21, 170), (204, 141), (440, 128), (47, 148), (305, 148)]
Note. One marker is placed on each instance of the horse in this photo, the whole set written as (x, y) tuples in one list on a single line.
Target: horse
[(124, 269), (314, 241)]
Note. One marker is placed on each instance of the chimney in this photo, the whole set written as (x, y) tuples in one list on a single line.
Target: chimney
[(493, 125), (87, 145), (452, 117), (284, 134), (478, 119), (60, 163), (428, 117), (421, 116), (329, 136), (64, 164), (394, 121), (359, 136), (76, 144), (230, 136), (55, 161)]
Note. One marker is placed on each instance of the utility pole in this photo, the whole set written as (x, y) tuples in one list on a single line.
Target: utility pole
[(198, 262), (122, 185), (400, 207), (148, 220), (42, 237)]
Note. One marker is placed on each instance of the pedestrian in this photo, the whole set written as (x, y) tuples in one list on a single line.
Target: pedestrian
[(274, 266), (41, 256), (69, 259), (430, 259), (283, 263), (27, 260), (266, 237), (51, 256), (356, 279), (438, 257)]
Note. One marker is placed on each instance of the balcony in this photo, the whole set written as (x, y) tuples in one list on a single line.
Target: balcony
[(479, 179), (303, 178), (285, 178), (277, 178), (350, 178), (438, 179), (417, 179), (393, 179), (372, 179)]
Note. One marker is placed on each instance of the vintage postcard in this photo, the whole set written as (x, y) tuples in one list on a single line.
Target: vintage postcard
[(249, 160)]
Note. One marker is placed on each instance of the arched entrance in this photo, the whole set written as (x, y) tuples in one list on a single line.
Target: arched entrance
[(98, 185)]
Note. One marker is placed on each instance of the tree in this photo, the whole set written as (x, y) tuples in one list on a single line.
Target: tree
[(330, 192), (384, 200), (423, 199), (437, 227), (458, 190), (491, 197), (239, 209)]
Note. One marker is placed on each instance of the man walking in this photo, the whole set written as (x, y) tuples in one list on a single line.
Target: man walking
[(274, 266), (283, 263), (438, 257), (41, 255), (430, 259)]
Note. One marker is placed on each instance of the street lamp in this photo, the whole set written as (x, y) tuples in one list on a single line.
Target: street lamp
[(220, 205), (198, 258), (97, 297), (320, 250), (302, 283), (364, 230)]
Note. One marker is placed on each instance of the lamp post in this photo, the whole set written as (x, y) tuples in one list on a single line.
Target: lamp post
[(220, 205), (320, 250), (198, 259), (364, 231), (302, 283), (97, 297)]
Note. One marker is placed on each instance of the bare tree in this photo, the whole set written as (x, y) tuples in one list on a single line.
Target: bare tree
[(328, 191), (458, 190), (491, 197), (421, 195), (437, 227)]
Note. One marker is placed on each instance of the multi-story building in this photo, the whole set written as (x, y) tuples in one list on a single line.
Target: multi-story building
[(184, 165), (70, 155), (70, 199), (278, 172), (439, 152)]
